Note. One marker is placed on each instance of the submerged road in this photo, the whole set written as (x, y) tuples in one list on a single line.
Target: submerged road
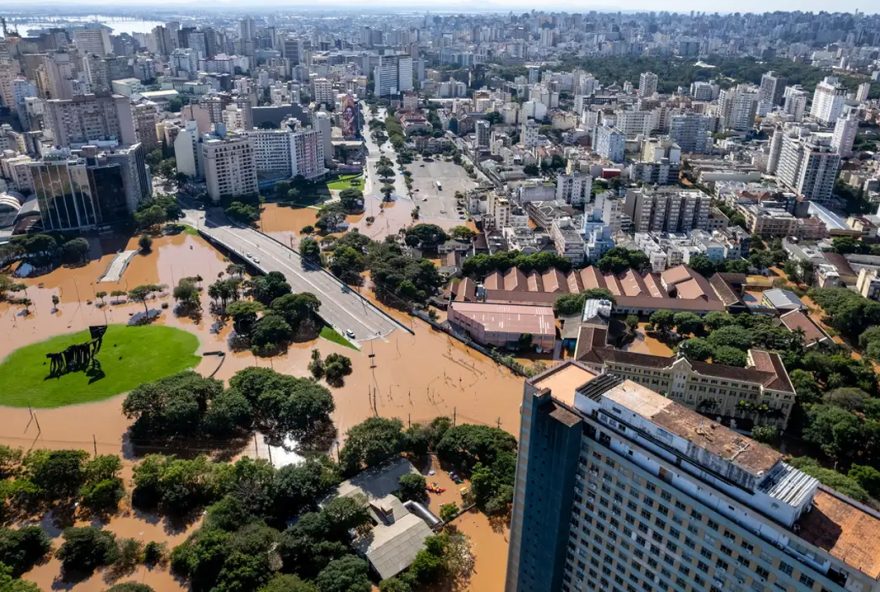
[(341, 307)]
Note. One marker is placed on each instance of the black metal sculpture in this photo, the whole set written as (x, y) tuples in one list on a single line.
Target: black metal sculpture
[(79, 356)]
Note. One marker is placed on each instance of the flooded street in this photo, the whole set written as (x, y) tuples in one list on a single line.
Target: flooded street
[(415, 377), (489, 535)]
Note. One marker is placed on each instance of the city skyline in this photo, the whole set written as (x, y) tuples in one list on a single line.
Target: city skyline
[(489, 6)]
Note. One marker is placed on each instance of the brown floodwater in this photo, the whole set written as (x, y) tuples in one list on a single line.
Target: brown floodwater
[(489, 537), (645, 344), (415, 377)]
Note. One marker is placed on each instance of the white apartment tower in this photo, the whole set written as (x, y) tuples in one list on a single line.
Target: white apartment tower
[(807, 164), (574, 188), (828, 101), (795, 102), (284, 153), (844, 135), (230, 169), (187, 153), (610, 143), (322, 91)]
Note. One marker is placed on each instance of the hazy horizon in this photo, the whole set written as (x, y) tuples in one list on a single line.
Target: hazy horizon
[(684, 6)]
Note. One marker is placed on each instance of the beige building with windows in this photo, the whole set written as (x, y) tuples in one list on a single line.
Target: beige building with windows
[(759, 394), (230, 169)]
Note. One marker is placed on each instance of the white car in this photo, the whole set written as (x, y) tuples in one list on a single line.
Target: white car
[(248, 255), (349, 333), (256, 260)]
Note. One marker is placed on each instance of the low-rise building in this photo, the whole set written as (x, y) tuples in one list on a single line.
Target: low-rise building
[(760, 393), (505, 326)]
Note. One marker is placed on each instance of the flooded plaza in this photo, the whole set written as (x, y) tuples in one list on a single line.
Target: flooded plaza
[(414, 376)]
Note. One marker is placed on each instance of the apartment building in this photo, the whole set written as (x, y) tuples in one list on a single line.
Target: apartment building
[(609, 142), (230, 168), (828, 101), (86, 119), (668, 209), (567, 240), (768, 222), (619, 488), (692, 132), (804, 162), (323, 92), (738, 107), (574, 188), (393, 75)]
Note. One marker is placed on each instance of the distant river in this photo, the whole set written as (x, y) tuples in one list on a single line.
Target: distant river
[(118, 24)]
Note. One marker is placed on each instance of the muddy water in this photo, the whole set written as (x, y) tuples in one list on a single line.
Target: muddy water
[(414, 377), (128, 524), (489, 537), (645, 344)]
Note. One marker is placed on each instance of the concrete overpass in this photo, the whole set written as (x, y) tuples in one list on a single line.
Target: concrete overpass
[(341, 307)]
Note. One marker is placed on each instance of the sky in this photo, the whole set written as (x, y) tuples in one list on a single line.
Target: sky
[(869, 6)]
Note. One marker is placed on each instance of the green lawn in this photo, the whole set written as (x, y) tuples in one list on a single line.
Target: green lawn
[(129, 357), (330, 334), (345, 182)]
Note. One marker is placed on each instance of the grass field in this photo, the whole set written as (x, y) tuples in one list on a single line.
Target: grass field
[(330, 334), (345, 182), (129, 357)]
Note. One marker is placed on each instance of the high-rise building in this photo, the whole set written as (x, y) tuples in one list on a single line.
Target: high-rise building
[(55, 74), (86, 119), (247, 29), (863, 92), (324, 124), (844, 135), (772, 88), (285, 153), (634, 123), (648, 84), (9, 70), (703, 91), (89, 188), (609, 142), (393, 75), (574, 188), (738, 107), (529, 133), (323, 92), (187, 151), (93, 38), (828, 101), (483, 133), (620, 488), (146, 116), (692, 132), (807, 164), (230, 168), (795, 102)]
